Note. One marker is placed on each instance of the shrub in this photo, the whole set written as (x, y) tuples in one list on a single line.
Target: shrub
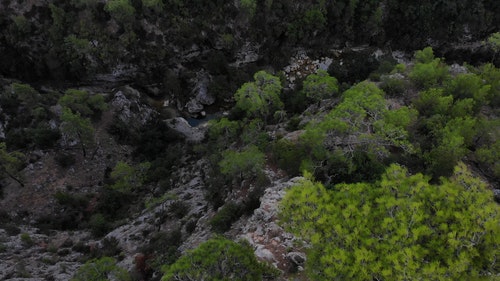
[(64, 159), (428, 71), (225, 217), (26, 239), (179, 209), (98, 225), (163, 246), (101, 269), (392, 85), (219, 259), (121, 10)]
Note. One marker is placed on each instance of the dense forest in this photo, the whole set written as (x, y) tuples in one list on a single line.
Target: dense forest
[(249, 140)]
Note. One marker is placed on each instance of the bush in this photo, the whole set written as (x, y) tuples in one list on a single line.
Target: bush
[(179, 209), (26, 239), (64, 159), (163, 246), (121, 10), (393, 86), (288, 156), (45, 137), (101, 269), (98, 225), (225, 217), (219, 259), (428, 72)]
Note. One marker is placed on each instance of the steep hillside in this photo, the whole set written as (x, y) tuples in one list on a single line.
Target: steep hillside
[(249, 140)]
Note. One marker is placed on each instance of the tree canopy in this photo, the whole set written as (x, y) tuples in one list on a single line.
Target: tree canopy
[(398, 228), (261, 97)]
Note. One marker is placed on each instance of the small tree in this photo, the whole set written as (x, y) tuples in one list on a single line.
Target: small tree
[(428, 71), (26, 94), (128, 178), (83, 103), (10, 163), (260, 98), (74, 126), (320, 86), (494, 43), (121, 10), (248, 162), (155, 5)]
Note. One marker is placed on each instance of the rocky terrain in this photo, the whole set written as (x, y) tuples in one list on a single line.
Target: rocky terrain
[(140, 177)]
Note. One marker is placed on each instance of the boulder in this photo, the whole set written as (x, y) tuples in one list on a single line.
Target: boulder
[(181, 125), (203, 96), (128, 108), (193, 106), (297, 258)]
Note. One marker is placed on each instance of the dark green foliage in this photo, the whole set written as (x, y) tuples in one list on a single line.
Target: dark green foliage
[(110, 247), (428, 71), (252, 200), (219, 259), (83, 103), (26, 240), (45, 137), (114, 204), (385, 67), (354, 67), (11, 163), (98, 225), (79, 128), (469, 85), (242, 165), (353, 140), (154, 138), (411, 24), (260, 99), (121, 10), (320, 86), (393, 86), (163, 247), (179, 209), (71, 201), (65, 159), (289, 155), (225, 217)]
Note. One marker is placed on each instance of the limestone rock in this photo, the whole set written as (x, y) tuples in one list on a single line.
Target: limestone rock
[(203, 96), (128, 108), (192, 134), (297, 258), (193, 106)]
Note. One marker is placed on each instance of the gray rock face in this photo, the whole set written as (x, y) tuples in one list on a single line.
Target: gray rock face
[(193, 106), (192, 134), (128, 108), (203, 96), (44, 257), (297, 258), (270, 241), (456, 69), (496, 193)]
